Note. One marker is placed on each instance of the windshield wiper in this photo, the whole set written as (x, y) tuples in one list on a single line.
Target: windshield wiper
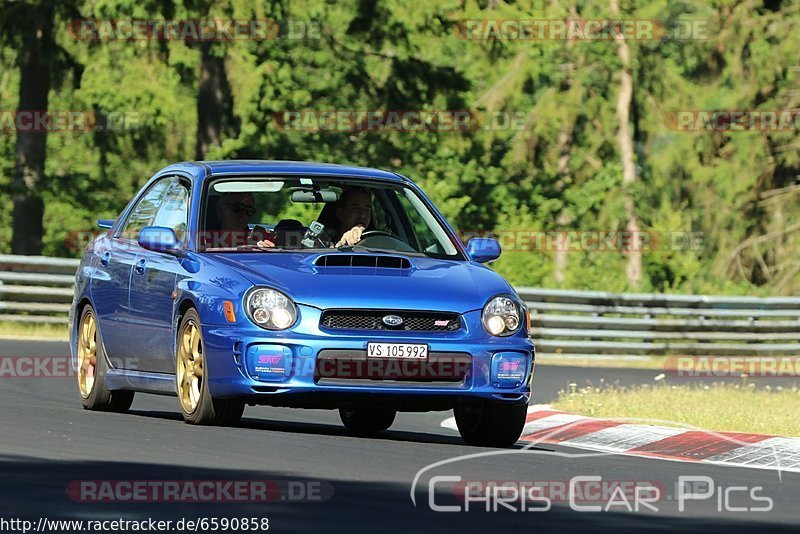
[(259, 249), (361, 248), (244, 248)]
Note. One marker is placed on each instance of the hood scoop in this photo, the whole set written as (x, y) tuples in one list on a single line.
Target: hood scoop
[(362, 260)]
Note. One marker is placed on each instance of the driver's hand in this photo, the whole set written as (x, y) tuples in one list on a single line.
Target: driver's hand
[(351, 237), (266, 243)]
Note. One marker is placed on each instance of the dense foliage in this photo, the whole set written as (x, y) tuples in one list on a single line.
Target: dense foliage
[(561, 171)]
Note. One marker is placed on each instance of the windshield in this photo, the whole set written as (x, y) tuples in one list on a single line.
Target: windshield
[(299, 213)]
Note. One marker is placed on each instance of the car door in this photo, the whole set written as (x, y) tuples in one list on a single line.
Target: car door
[(111, 282), (109, 291), (153, 281)]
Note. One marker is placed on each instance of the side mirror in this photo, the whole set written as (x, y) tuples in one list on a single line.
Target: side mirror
[(105, 224), (158, 239), (483, 249)]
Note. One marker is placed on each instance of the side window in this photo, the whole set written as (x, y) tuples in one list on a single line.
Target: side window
[(380, 219), (145, 210), (174, 210), (425, 239)]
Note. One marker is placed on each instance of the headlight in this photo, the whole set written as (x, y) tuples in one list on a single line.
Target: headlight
[(271, 309), (502, 316)]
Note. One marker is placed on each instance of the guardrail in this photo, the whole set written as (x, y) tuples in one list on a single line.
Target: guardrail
[(574, 323), (570, 323), (36, 289)]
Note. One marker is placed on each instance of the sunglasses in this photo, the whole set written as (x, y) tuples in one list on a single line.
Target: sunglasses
[(238, 207)]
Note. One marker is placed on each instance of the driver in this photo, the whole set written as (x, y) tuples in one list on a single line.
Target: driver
[(354, 215)]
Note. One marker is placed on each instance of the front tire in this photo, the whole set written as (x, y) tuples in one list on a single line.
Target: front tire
[(92, 369), (491, 424), (191, 380), (361, 420)]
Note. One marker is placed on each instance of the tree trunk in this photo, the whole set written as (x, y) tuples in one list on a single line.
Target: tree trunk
[(213, 100), (564, 220), (633, 269), (31, 147), (564, 148)]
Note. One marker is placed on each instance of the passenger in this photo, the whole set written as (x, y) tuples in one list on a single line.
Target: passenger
[(234, 211)]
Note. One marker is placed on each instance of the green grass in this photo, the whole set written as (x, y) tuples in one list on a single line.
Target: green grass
[(33, 330), (721, 407)]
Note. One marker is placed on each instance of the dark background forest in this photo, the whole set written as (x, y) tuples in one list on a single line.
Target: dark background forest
[(594, 151)]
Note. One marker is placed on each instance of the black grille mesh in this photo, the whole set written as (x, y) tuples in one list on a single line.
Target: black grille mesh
[(413, 321)]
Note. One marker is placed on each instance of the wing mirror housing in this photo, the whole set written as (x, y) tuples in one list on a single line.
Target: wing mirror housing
[(159, 239), (484, 249)]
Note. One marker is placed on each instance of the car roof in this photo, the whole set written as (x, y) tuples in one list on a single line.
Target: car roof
[(255, 167)]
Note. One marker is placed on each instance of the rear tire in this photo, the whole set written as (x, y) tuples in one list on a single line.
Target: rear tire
[(491, 424), (191, 380), (92, 368), (367, 419)]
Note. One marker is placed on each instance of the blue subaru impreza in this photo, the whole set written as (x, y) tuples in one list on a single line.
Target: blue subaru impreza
[(305, 285)]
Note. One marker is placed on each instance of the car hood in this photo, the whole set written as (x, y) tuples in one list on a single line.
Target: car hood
[(428, 284)]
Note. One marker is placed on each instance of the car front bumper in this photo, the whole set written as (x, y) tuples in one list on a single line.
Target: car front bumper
[(323, 369)]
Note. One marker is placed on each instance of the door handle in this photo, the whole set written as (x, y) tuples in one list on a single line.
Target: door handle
[(139, 267), (104, 259)]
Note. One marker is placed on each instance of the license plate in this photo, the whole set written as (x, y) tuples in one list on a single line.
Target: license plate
[(403, 351)]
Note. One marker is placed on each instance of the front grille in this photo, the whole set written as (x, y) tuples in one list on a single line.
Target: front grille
[(413, 321)]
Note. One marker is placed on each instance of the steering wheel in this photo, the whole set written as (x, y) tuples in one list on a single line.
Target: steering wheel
[(376, 233), (385, 239)]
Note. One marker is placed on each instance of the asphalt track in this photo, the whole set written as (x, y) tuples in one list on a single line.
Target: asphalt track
[(47, 441)]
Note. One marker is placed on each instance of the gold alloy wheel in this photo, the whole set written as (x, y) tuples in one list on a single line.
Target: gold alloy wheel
[(190, 367), (87, 354)]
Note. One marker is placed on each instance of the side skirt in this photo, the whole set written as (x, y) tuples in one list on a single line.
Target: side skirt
[(158, 383)]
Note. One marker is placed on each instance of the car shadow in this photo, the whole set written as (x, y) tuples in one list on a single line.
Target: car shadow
[(33, 488), (156, 414), (325, 429)]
